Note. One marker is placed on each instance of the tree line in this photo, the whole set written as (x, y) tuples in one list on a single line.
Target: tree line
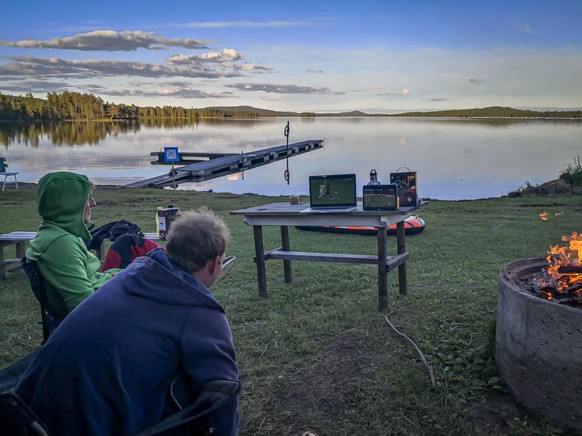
[(76, 106), (88, 107)]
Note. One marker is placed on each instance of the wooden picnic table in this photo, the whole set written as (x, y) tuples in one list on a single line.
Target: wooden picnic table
[(285, 215)]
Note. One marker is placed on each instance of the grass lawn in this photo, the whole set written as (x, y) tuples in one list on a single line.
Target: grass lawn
[(317, 354)]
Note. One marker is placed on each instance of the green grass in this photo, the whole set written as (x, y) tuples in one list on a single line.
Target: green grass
[(316, 354)]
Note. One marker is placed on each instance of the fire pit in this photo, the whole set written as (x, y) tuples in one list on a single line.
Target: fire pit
[(538, 343)]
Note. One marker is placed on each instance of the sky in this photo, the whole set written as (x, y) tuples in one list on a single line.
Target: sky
[(384, 56)]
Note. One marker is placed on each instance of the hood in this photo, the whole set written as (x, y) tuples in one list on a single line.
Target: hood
[(155, 277), (61, 199)]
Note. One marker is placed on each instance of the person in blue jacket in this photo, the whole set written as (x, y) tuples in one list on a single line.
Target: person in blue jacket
[(108, 367)]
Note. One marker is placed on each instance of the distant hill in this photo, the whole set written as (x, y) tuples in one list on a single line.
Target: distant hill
[(488, 112), (235, 111)]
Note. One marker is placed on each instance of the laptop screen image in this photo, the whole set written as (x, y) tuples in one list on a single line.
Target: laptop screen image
[(336, 191)]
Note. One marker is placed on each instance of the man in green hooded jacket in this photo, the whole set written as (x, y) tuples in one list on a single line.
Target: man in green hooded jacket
[(69, 269)]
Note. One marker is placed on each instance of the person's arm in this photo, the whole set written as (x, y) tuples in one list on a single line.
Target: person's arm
[(209, 354), (66, 266)]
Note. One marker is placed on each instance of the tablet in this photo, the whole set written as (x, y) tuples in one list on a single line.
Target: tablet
[(380, 197)]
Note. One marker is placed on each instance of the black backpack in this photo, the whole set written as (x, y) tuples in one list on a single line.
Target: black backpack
[(111, 231)]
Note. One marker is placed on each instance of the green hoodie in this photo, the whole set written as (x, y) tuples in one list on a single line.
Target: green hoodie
[(69, 269)]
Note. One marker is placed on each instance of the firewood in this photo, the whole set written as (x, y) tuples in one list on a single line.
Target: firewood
[(570, 269)]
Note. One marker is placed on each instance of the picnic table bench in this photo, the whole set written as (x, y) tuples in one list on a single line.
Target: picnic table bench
[(19, 240)]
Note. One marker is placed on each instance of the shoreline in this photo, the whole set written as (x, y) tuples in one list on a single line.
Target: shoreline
[(553, 187)]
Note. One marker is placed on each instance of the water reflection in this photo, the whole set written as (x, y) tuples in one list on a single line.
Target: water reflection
[(64, 133), (454, 158)]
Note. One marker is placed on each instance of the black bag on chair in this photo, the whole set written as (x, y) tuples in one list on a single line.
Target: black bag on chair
[(111, 231), (17, 419)]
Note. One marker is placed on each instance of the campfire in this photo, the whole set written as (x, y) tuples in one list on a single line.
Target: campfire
[(537, 342), (561, 280)]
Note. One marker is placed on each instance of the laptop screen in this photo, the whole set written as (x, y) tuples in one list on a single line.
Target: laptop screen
[(336, 190)]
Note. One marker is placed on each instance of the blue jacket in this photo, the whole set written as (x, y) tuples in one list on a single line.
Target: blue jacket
[(107, 369)]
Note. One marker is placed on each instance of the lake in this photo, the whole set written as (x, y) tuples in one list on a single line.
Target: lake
[(454, 158)]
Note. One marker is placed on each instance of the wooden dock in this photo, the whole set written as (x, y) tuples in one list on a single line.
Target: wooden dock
[(199, 167)]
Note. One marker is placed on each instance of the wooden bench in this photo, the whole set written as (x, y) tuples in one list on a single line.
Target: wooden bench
[(19, 240)]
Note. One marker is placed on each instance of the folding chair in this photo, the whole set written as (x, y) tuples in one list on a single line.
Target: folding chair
[(48, 322), (10, 375), (17, 419), (214, 394), (7, 174)]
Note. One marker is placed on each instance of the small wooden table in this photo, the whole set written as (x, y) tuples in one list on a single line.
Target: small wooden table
[(285, 215), (19, 240)]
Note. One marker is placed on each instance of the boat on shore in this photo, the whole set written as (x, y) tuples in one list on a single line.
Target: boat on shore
[(412, 226)]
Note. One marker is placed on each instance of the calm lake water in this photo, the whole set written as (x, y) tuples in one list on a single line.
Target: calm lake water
[(454, 158)]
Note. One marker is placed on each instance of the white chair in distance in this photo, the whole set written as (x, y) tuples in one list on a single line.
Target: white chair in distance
[(8, 175)]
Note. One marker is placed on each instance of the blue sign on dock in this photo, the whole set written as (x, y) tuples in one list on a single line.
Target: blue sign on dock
[(171, 154)]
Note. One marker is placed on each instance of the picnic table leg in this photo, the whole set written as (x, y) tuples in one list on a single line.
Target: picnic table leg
[(286, 246), (2, 264), (382, 275), (260, 260), (401, 243), (20, 249)]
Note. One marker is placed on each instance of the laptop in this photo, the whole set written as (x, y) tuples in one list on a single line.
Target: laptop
[(334, 193)]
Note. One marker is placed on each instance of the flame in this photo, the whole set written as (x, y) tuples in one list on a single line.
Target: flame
[(565, 255), (546, 215)]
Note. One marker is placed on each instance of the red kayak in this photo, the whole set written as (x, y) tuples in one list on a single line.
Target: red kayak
[(412, 226)]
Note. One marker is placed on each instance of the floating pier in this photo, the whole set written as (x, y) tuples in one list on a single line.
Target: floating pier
[(199, 167)]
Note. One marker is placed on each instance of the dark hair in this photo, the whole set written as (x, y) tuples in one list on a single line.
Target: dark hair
[(195, 237)]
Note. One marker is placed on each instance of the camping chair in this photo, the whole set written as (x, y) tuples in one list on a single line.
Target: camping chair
[(214, 394), (48, 322), (18, 419), (7, 174), (10, 375)]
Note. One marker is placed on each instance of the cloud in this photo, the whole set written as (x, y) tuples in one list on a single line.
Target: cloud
[(243, 24), (526, 28), (309, 71), (227, 55), (227, 60), (55, 67), (36, 86), (282, 89), (374, 88), (439, 99), (251, 67), (403, 92), (174, 91), (109, 40), (476, 81)]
